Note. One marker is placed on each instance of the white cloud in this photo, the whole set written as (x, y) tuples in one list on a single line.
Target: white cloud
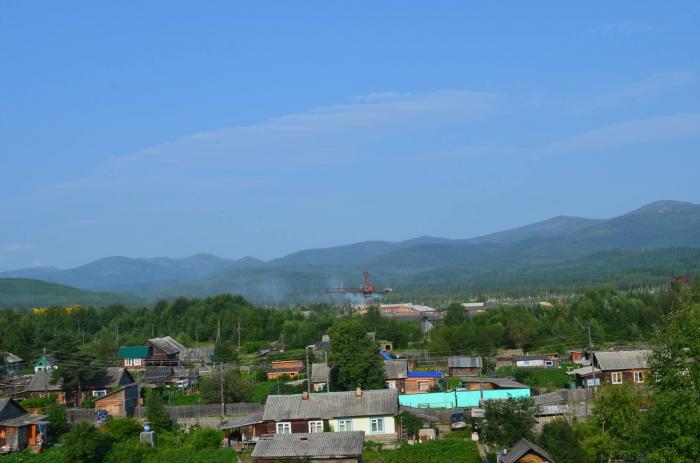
[(13, 248), (654, 129)]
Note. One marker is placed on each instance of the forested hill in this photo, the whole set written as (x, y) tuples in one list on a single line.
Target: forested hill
[(647, 246), (23, 292)]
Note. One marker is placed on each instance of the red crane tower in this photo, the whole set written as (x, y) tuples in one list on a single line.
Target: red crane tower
[(367, 289)]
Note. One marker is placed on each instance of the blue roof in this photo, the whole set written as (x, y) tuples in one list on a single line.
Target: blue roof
[(424, 374), (385, 355)]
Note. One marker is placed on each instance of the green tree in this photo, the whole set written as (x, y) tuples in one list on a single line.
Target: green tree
[(204, 438), (236, 388), (75, 369), (85, 444), (123, 428), (58, 423), (672, 427), (454, 315), (508, 421), (563, 442), (156, 413), (616, 423), (354, 357)]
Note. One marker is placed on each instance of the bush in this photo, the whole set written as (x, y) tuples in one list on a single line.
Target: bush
[(58, 423), (129, 451), (85, 444), (121, 429), (204, 438), (155, 412)]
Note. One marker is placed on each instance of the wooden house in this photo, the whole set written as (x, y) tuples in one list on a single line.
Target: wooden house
[(134, 358), (46, 362), (525, 451), (614, 367), (395, 373), (164, 352), (320, 376), (19, 429), (325, 447), (12, 364), (420, 382), (464, 366), (373, 412), (120, 402), (291, 368)]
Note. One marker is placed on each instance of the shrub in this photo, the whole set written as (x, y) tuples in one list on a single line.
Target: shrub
[(85, 444), (121, 429), (204, 438)]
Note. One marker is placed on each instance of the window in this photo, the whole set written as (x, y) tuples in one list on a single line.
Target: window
[(284, 428), (423, 386), (315, 426), (128, 362), (638, 377), (617, 377), (376, 425), (345, 424), (101, 393), (137, 362)]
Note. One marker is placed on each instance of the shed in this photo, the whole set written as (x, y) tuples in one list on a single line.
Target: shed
[(120, 402), (464, 366), (525, 451), (340, 447)]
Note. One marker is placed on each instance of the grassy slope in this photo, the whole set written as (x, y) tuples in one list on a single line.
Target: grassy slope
[(23, 292)]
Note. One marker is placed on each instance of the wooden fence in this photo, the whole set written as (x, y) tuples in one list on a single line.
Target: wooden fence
[(209, 410), (80, 414)]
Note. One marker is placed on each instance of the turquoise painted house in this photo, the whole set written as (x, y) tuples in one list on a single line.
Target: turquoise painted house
[(45, 363)]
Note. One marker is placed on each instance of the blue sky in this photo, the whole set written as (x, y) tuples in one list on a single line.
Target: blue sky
[(260, 128)]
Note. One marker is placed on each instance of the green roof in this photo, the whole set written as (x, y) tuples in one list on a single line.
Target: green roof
[(133, 352)]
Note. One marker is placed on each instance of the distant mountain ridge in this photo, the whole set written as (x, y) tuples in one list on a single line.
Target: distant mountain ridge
[(424, 263)]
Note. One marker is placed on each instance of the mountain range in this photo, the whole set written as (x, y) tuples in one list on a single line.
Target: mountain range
[(646, 246)]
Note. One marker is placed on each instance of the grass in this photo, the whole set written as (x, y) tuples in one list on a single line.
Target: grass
[(540, 378), (438, 451)]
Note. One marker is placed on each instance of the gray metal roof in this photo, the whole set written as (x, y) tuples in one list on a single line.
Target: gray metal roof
[(311, 445), (584, 371), (41, 381), (320, 372), (396, 369), (325, 405), (464, 362), (241, 421), (621, 360), (167, 345), (502, 383), (521, 448), (12, 358)]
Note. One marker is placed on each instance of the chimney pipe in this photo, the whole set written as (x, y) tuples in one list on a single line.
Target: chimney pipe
[(358, 392), (305, 396)]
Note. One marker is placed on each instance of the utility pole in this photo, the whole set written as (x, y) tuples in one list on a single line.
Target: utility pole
[(328, 372), (218, 331), (239, 335), (221, 378), (481, 381), (590, 350), (308, 371), (117, 336)]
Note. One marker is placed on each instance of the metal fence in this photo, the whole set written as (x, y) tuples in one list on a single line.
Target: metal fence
[(197, 411)]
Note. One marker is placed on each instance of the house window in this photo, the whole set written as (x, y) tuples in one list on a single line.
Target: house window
[(423, 386), (284, 428), (101, 393), (638, 377), (137, 362), (617, 377), (376, 425), (315, 426), (548, 363), (345, 424)]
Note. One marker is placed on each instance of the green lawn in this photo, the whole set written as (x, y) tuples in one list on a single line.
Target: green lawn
[(438, 451), (540, 378)]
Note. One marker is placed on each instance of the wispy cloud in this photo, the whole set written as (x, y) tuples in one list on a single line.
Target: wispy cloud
[(627, 27), (678, 126), (12, 248), (321, 135)]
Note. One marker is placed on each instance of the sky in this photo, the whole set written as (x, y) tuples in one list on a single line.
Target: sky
[(170, 128)]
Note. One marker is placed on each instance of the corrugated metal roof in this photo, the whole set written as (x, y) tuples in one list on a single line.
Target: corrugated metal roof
[(501, 383), (424, 374), (622, 360), (386, 356), (320, 373), (464, 362), (314, 445), (12, 358), (241, 421), (332, 405), (521, 448), (133, 352), (167, 345), (41, 381), (396, 369)]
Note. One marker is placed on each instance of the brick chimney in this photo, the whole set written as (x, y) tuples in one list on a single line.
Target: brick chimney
[(358, 392), (305, 396)]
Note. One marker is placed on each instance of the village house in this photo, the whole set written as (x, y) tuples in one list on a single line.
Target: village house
[(12, 364), (474, 308), (158, 376), (525, 451), (13, 384), (399, 376), (120, 402), (45, 363), (614, 367), (320, 376), (164, 352), (291, 368), (337, 447), (271, 349), (419, 382), (427, 316), (373, 412), (464, 366), (42, 385), (134, 358), (19, 429), (395, 373)]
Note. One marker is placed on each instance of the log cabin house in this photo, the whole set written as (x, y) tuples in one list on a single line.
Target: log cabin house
[(19, 429)]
